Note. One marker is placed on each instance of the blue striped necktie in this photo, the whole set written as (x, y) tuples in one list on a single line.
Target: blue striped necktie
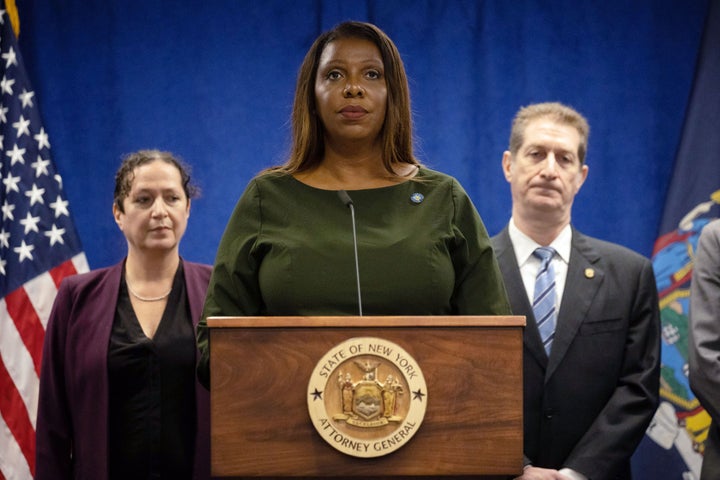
[(544, 300)]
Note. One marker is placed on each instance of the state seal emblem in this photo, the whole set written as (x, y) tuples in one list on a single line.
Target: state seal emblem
[(367, 397)]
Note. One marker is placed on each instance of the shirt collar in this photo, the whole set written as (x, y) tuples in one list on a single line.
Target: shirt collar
[(524, 246)]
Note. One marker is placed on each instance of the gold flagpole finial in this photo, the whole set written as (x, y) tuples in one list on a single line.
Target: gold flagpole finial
[(14, 17)]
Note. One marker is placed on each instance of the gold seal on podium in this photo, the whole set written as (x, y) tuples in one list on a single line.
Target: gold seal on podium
[(367, 397)]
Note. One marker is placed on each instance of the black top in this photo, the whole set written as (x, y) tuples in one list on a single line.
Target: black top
[(152, 391)]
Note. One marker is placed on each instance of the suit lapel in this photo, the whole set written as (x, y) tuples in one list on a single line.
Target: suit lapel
[(584, 278), (103, 303), (195, 290), (518, 297)]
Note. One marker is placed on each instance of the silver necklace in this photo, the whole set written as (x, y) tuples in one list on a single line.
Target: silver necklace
[(147, 299)]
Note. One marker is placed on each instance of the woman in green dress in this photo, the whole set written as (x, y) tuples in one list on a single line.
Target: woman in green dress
[(288, 248)]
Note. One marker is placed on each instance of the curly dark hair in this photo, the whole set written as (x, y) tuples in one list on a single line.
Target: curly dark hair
[(125, 174)]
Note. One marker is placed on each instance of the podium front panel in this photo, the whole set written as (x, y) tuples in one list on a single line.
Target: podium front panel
[(260, 426)]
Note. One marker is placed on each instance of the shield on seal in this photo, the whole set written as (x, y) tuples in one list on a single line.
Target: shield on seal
[(368, 400)]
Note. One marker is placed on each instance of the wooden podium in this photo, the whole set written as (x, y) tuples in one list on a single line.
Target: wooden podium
[(260, 373)]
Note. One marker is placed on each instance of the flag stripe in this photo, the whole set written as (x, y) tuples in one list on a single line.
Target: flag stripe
[(80, 262), (63, 270), (12, 461), (28, 324), (41, 292), (18, 363), (16, 416)]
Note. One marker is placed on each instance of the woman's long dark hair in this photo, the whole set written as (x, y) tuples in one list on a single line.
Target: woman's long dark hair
[(308, 141)]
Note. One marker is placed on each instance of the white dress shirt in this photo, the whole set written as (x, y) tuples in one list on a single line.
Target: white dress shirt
[(529, 264)]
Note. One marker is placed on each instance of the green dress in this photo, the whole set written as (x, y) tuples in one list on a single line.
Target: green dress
[(288, 250)]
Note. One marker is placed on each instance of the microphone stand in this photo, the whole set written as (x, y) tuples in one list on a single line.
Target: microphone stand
[(345, 198)]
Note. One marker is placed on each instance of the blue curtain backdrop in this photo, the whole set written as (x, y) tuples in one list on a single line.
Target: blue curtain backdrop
[(213, 81)]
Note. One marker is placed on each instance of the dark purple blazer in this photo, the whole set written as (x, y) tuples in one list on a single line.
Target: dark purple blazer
[(72, 420)]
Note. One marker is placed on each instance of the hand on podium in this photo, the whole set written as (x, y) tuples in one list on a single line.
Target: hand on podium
[(536, 473)]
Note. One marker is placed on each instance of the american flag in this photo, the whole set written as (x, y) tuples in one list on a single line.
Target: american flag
[(38, 247)]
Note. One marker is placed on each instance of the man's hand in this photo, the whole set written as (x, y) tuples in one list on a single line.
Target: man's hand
[(535, 473)]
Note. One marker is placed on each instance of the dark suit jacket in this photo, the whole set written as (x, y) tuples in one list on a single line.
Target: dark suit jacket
[(72, 423), (588, 405)]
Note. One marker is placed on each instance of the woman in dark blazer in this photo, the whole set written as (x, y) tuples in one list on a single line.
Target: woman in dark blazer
[(118, 392)]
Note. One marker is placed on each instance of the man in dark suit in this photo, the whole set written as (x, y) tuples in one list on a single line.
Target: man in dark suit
[(592, 359)]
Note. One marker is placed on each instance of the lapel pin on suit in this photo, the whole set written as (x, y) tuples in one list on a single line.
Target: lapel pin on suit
[(589, 273)]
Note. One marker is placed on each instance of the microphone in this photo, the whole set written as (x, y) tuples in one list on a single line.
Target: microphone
[(345, 198)]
